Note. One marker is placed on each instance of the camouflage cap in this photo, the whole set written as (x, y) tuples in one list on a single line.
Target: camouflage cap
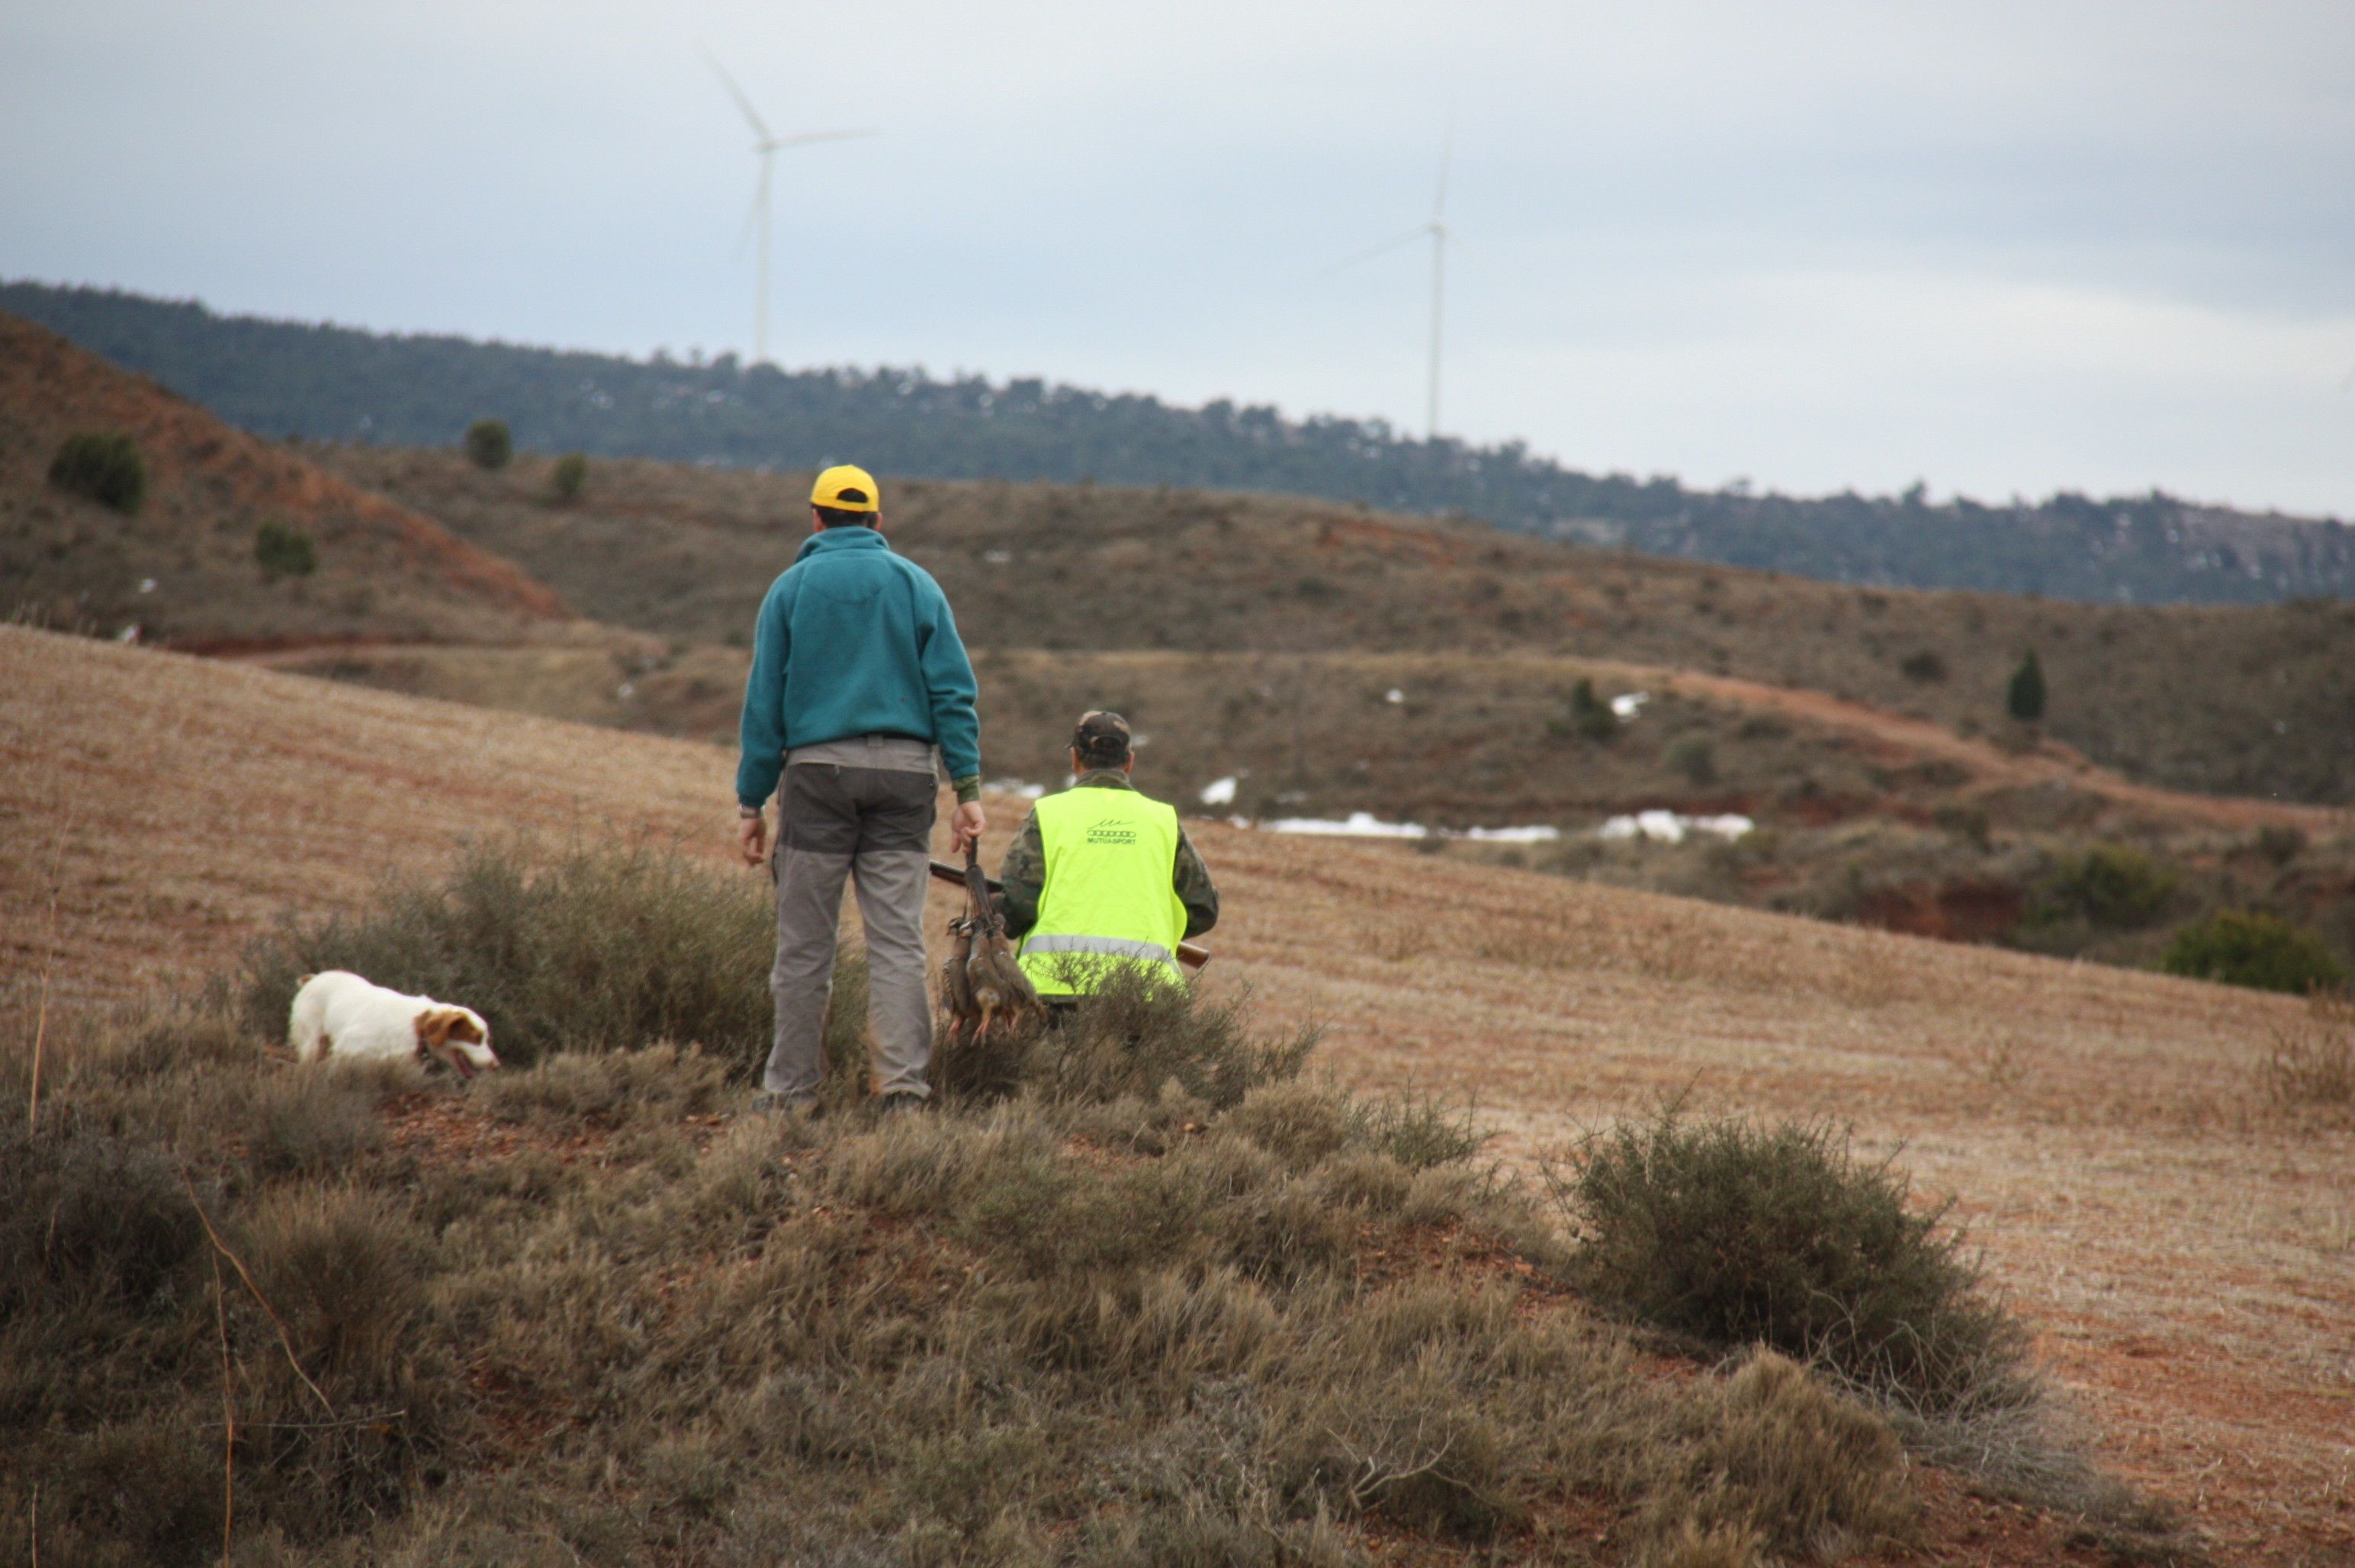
[(1100, 733)]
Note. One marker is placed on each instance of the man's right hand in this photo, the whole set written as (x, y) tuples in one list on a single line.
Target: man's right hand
[(966, 827), (752, 840)]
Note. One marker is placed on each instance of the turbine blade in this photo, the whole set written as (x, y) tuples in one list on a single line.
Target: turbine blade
[(1392, 243), (807, 137), (736, 92)]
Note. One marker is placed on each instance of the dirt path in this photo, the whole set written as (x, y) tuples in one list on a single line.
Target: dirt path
[(2190, 1263)]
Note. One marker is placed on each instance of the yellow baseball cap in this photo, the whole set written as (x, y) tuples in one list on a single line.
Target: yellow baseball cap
[(846, 488)]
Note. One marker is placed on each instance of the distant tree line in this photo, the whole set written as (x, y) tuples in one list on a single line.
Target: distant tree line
[(340, 384)]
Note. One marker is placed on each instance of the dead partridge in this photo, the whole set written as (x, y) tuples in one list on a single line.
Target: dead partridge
[(1001, 988), (956, 990), (997, 983)]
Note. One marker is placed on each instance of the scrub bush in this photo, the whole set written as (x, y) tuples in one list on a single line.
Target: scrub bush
[(284, 550), (488, 445), (2247, 947), (591, 949), (1738, 1232), (104, 466)]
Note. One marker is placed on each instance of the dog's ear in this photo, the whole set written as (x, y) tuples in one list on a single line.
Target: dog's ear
[(434, 1028), (464, 1027)]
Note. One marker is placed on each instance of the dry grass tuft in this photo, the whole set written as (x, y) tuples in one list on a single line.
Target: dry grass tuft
[(2311, 1069)]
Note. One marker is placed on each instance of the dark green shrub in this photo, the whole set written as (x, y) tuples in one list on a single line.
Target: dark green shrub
[(284, 550), (2247, 947), (1739, 1232), (2281, 842), (1590, 716), (1695, 757), (595, 949), (571, 472), (2112, 885), (488, 445), (1925, 667), (2023, 697), (103, 466)]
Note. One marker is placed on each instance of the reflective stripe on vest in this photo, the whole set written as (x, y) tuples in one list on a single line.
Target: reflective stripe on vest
[(1111, 855), (1110, 946)]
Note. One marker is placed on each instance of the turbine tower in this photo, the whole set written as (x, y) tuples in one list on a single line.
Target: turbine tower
[(1435, 227), (767, 146)]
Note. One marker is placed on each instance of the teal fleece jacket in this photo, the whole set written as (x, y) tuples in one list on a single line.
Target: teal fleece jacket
[(854, 640)]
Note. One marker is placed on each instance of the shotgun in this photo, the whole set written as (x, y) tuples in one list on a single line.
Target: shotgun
[(1193, 955)]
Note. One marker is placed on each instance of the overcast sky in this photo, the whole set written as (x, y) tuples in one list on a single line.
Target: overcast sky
[(2003, 248)]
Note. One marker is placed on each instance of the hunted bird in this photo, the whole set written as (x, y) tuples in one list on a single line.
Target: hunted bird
[(996, 981), (956, 989)]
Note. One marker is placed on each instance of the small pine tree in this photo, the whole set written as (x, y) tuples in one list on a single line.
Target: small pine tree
[(488, 445), (103, 466), (284, 550), (2024, 698), (1589, 715), (571, 470)]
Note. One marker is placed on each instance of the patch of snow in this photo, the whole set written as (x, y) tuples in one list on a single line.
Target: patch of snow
[(1539, 833), (146, 585), (1394, 696), (1627, 704), (1359, 824), (1016, 787), (998, 557), (1366, 824), (129, 633), (1220, 792), (1671, 827), (627, 691)]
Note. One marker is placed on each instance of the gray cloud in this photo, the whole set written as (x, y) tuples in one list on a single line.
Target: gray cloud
[(2005, 247)]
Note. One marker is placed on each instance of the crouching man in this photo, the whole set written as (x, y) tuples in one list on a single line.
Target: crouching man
[(1101, 876)]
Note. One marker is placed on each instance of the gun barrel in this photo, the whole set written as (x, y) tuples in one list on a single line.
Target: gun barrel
[(1192, 955)]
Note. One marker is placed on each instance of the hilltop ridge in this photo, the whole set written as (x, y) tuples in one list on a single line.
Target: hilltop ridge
[(344, 384)]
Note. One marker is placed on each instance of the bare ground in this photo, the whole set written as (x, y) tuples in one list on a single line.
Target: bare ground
[(2189, 1261)]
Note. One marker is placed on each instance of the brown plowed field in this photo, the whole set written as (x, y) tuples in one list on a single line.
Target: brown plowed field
[(2189, 1260)]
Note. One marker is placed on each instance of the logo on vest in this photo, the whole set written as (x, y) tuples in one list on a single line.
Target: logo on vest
[(1113, 831)]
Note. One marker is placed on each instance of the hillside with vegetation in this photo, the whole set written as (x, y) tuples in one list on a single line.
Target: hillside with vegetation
[(340, 384), (2251, 701), (127, 511), (1145, 1292)]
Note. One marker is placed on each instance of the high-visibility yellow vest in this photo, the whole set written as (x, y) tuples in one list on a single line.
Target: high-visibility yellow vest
[(1111, 855)]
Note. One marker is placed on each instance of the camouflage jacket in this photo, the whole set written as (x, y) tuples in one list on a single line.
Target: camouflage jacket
[(1023, 873)]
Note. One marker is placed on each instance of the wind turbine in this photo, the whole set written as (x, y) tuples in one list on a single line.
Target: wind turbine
[(1435, 227), (767, 146)]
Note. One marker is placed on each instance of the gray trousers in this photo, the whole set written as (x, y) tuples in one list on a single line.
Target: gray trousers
[(871, 826)]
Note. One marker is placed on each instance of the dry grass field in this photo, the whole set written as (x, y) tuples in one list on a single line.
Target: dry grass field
[(2186, 1252)]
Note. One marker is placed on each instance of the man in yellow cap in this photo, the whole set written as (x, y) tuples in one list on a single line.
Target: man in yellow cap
[(860, 697)]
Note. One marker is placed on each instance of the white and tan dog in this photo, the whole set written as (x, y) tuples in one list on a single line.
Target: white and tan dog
[(339, 1014)]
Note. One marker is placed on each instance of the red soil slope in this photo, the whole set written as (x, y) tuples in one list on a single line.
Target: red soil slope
[(384, 570)]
